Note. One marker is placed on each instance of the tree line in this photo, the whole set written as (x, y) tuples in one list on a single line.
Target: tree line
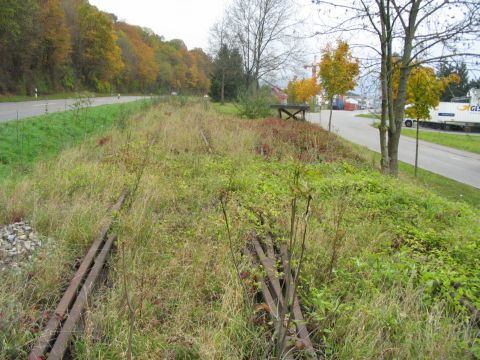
[(70, 45)]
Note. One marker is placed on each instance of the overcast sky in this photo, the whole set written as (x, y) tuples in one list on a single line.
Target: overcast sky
[(189, 20)]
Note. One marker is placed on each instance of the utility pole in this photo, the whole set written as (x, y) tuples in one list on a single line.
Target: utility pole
[(313, 66)]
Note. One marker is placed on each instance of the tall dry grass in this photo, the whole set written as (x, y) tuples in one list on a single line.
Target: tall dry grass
[(172, 291)]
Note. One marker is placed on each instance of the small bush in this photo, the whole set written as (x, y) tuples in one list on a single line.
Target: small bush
[(255, 103)]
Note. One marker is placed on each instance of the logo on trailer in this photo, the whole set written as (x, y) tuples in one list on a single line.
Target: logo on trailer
[(469, 108)]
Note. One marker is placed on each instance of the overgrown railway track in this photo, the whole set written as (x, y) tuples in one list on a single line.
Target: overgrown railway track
[(279, 294), (55, 339)]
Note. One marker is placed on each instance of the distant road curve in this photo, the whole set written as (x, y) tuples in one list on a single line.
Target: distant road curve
[(455, 164), (8, 110)]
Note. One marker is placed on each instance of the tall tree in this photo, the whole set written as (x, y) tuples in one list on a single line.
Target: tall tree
[(264, 31), (56, 43), (454, 89), (474, 84), (420, 31), (141, 69), (338, 72), (19, 45), (98, 55), (227, 75), (69, 44)]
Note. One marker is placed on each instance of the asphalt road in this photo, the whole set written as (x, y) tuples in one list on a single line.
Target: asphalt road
[(455, 164), (8, 110)]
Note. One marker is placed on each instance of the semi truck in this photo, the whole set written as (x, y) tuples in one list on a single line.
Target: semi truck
[(460, 113)]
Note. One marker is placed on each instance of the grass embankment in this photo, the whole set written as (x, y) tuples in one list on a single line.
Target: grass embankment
[(444, 187), (25, 141), (387, 263), (440, 185), (461, 141), (57, 96)]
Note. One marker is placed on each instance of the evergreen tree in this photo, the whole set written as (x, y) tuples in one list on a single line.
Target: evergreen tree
[(227, 74), (454, 89), (474, 84)]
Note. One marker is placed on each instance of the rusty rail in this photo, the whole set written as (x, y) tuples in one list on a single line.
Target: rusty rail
[(63, 338), (207, 143), (64, 308)]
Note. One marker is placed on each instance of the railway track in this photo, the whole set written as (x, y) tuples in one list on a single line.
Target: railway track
[(279, 295), (55, 339)]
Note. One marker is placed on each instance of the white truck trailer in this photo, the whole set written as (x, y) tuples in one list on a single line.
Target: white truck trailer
[(463, 114)]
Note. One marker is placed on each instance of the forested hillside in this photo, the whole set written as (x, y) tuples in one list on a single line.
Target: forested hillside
[(69, 45)]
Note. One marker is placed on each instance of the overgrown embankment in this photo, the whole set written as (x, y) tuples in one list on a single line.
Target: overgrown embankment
[(25, 141), (388, 266)]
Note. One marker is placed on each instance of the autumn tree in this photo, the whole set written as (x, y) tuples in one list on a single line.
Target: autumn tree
[(338, 72), (141, 69), (199, 71), (55, 44), (69, 44), (417, 32), (19, 45), (303, 90), (97, 54), (424, 90)]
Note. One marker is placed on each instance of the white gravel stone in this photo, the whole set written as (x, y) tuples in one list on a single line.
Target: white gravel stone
[(18, 244)]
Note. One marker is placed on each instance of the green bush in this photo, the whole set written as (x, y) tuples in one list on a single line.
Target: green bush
[(255, 103)]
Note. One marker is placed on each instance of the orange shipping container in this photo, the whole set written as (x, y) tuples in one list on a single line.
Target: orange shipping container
[(349, 106)]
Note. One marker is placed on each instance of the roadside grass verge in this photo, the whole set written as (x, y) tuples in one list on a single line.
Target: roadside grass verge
[(444, 187), (461, 142), (387, 265), (440, 185), (25, 141), (58, 96), (368, 116)]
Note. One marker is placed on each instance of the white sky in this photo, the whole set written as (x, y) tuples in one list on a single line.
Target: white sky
[(189, 20)]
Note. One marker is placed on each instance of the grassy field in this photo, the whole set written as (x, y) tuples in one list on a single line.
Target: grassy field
[(461, 142), (25, 141), (387, 268), (227, 108)]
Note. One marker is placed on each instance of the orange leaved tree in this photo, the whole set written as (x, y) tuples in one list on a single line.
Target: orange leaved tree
[(302, 91), (338, 72)]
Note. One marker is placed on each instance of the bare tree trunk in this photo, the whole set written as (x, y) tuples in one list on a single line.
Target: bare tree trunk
[(222, 96), (384, 35), (405, 68), (330, 118), (383, 118), (416, 151)]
